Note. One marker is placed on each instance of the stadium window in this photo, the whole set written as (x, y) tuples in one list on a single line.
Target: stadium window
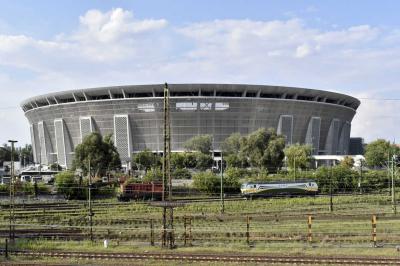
[(118, 95), (186, 106), (146, 107), (100, 97), (331, 101), (270, 95), (228, 94), (140, 95), (205, 106), (183, 93), (251, 94), (221, 106), (66, 100), (305, 98), (207, 93)]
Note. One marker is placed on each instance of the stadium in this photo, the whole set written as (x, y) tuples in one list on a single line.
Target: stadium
[(134, 115)]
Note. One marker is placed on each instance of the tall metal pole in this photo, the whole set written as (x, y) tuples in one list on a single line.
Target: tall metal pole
[(168, 237), (12, 192), (360, 177), (330, 190), (90, 203), (294, 163), (393, 188), (222, 184)]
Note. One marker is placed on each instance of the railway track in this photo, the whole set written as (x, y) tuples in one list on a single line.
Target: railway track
[(184, 257)]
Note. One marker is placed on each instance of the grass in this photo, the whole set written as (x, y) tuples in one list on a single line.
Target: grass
[(277, 226)]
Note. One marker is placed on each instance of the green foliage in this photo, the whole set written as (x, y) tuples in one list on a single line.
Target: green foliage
[(264, 149), (102, 154), (206, 182), (201, 143), (378, 152), (26, 154), (146, 160), (203, 161), (235, 160), (347, 162), (68, 185), (154, 174), (189, 160), (258, 175), (342, 179), (182, 173), (232, 178), (55, 167), (374, 181), (298, 156), (178, 160), (232, 144)]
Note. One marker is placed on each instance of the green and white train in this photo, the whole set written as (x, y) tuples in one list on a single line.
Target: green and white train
[(264, 189)]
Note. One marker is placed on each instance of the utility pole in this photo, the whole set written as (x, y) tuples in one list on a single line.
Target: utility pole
[(393, 188), (294, 166), (90, 203), (12, 193), (168, 238), (360, 176), (388, 173), (222, 184), (330, 190)]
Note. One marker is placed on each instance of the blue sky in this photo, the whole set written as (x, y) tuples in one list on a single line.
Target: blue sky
[(351, 47)]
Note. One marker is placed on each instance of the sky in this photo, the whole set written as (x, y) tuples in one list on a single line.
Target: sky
[(351, 47)]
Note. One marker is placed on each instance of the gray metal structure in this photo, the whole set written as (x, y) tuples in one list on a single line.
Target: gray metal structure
[(134, 115)]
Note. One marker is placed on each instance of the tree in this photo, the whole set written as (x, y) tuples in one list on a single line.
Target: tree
[(378, 152), (26, 153), (190, 160), (177, 160), (298, 156), (232, 144), (55, 167), (100, 153), (264, 149), (274, 154), (201, 143), (347, 162), (203, 161), (146, 159)]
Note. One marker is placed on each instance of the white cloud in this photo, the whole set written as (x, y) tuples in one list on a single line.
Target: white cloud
[(115, 47), (114, 25), (303, 51)]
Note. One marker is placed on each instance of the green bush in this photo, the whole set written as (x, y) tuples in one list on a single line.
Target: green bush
[(232, 178), (189, 160), (206, 182), (153, 175), (182, 174), (203, 161), (68, 185), (374, 180)]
